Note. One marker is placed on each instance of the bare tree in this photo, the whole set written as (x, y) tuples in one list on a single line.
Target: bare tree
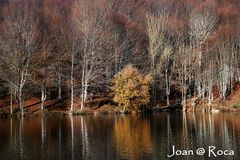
[(72, 48), (89, 26), (202, 25), (19, 41), (156, 33)]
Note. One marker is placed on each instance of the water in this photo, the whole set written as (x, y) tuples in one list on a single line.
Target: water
[(118, 136)]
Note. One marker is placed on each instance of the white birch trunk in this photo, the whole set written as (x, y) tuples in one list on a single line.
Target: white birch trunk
[(72, 83), (167, 81), (43, 96), (82, 90), (11, 102), (20, 101)]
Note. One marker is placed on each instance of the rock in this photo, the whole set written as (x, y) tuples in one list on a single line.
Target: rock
[(215, 110)]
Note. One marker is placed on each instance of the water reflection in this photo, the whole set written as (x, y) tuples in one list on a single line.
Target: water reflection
[(131, 133), (117, 137)]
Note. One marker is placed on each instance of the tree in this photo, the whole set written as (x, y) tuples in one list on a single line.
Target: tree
[(202, 23), (156, 27), (19, 41), (56, 14), (131, 88), (88, 23), (72, 48), (69, 48), (161, 44)]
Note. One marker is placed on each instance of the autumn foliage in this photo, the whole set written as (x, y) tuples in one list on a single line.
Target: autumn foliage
[(73, 48), (131, 88)]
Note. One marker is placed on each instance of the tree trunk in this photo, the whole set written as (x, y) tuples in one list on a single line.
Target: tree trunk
[(154, 98), (72, 94), (167, 87), (82, 98), (210, 94), (82, 103), (72, 98), (82, 94), (11, 101), (209, 101), (72, 82), (43, 97), (20, 101), (124, 108), (184, 85), (85, 91), (184, 99), (116, 67), (59, 86)]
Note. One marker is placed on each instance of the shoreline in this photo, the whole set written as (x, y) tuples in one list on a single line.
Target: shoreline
[(106, 106), (101, 113)]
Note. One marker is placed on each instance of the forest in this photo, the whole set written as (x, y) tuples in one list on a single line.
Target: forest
[(72, 49)]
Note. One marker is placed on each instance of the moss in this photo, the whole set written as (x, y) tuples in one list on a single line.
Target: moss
[(236, 105)]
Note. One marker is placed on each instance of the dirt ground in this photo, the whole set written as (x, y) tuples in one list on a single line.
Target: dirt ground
[(33, 106), (105, 105)]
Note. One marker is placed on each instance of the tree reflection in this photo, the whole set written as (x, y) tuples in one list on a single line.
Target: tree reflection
[(117, 137), (132, 136), (72, 135)]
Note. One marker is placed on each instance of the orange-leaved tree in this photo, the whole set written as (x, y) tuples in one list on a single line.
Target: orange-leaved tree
[(131, 88)]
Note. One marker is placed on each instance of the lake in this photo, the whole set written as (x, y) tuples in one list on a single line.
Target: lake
[(104, 137)]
